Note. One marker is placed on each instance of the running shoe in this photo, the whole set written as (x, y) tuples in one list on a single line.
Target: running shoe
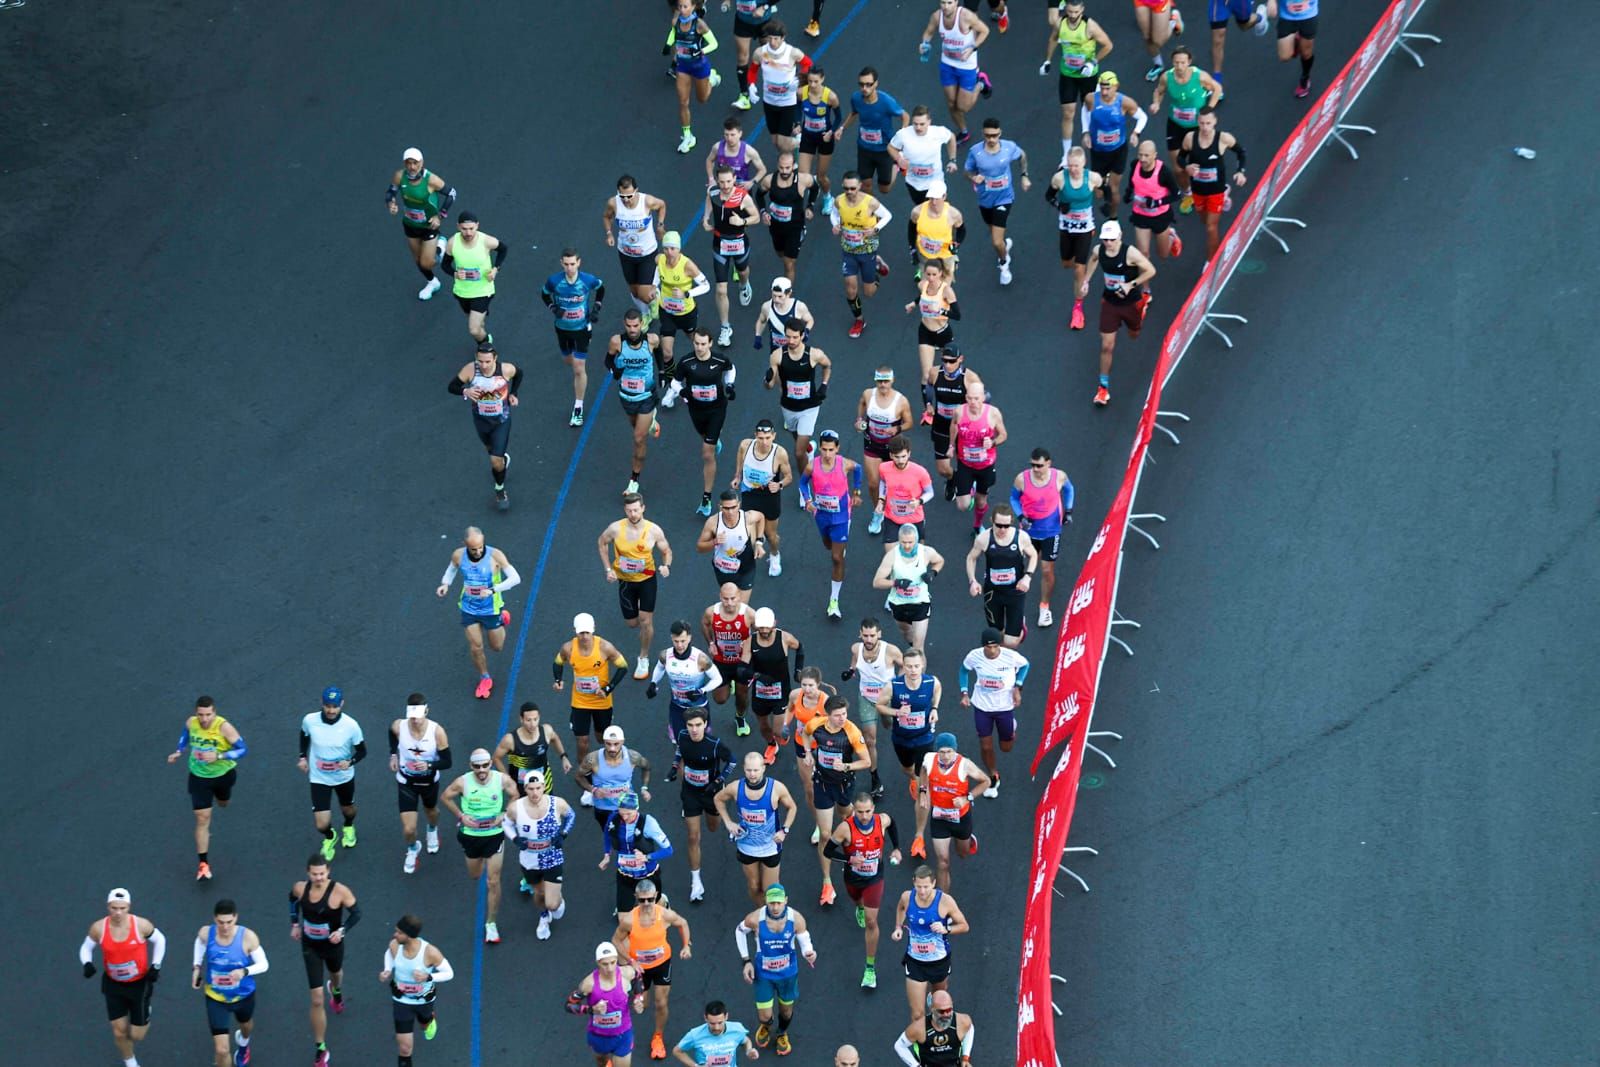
[(784, 1048), (716, 79), (427, 291), (1186, 204), (1156, 67), (770, 756), (988, 87), (1003, 23), (972, 847), (697, 892), (1102, 396), (577, 417), (719, 446), (1259, 25), (742, 102), (1302, 89), (433, 840), (883, 268), (672, 773), (876, 790), (633, 486), (828, 894), (1176, 20), (241, 1055), (763, 1036), (746, 294), (1046, 618), (655, 425), (687, 142), (658, 1047), (911, 787), (335, 997), (502, 501), (348, 840), (994, 785), (833, 608), (330, 845), (670, 397), (725, 335), (927, 416), (704, 510), (491, 934), (949, 488), (961, 138), (919, 848), (1144, 302), (861, 916), (505, 616), (641, 667), (320, 1058), (827, 203), (543, 932), (523, 886), (741, 727), (869, 975), (816, 831), (875, 526), (412, 853), (485, 687), (774, 565), (813, 29), (1177, 246), (857, 328), (431, 1029), (587, 800), (202, 873)]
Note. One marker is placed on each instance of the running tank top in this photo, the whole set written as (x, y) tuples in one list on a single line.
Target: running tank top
[(478, 596), (1041, 504), (492, 406), (932, 307), (775, 957), (417, 756), (733, 545), (970, 434), (525, 758), (127, 960), (948, 396), (1187, 98), (1151, 199), (909, 574), (729, 235), (411, 981), (611, 780), (647, 945), (814, 110), (758, 816), (675, 277), (483, 800), (1004, 565), (780, 84), (857, 225), (829, 489), (757, 471), (1078, 48), (209, 739), (636, 365), (1116, 271), (538, 837), (948, 789), (913, 712), (608, 1014), (798, 380), (687, 44), (785, 205), (1076, 204), (683, 676), (218, 964), (958, 48), (317, 920), (418, 203), (778, 321), (922, 944), (632, 557), (1212, 176), (636, 232), (939, 1048), (934, 234), (739, 162), (866, 852), (728, 635), (591, 673), (883, 422), (873, 675), (770, 666), (1108, 128), (472, 265)]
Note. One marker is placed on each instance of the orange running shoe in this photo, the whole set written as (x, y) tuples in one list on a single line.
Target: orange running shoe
[(827, 894), (1102, 396), (918, 849), (770, 756), (202, 873), (1177, 246), (485, 687), (1077, 315), (784, 1048), (1003, 23), (658, 1047)]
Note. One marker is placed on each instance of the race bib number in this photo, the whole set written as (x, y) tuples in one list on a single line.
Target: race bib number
[(731, 247), (1078, 220), (607, 1020), (633, 383), (417, 766), (1003, 575), (1108, 139), (903, 508), (930, 247), (469, 274), (416, 214), (411, 989), (926, 946), (1185, 116), (223, 980), (769, 690), (973, 453), (648, 957), (797, 390), (871, 689), (826, 502), (727, 561), (704, 393), (477, 590), (329, 765), (587, 684), (911, 718), (829, 759), (947, 813), (815, 124), (632, 564), (628, 862), (673, 305), (756, 478), (1206, 174), (920, 170), (864, 863), (315, 931), (781, 212), (775, 963), (696, 778), (871, 137), (996, 184), (126, 971), (753, 818), (992, 684)]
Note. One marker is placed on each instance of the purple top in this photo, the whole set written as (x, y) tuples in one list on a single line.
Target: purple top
[(609, 1015), (740, 163)]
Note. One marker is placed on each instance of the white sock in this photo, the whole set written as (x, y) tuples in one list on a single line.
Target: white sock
[(561, 910), (577, 405), (131, 1061), (244, 1042), (833, 589), (694, 876)]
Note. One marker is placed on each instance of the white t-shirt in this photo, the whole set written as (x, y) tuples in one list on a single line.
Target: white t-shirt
[(922, 153), (993, 679), (331, 743)]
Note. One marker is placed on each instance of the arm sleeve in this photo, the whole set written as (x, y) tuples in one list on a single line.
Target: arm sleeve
[(544, 295), (804, 938), (388, 959), (741, 938), (911, 231), (1022, 674), (1068, 495), (903, 1048), (444, 760), (456, 386), (388, 198), (966, 1042), (305, 743), (504, 250), (953, 312), (1238, 153), (883, 215), (516, 381), (658, 673), (893, 830), (663, 846), (799, 656), (258, 962), (394, 743), (442, 973), (804, 65), (358, 753), (855, 476), (448, 264), (86, 950), (158, 946), (446, 200), (964, 678), (708, 42), (449, 575), (568, 822), (509, 579), (1139, 119), (702, 285), (1016, 500), (238, 751), (713, 677), (352, 915), (199, 950), (960, 233)]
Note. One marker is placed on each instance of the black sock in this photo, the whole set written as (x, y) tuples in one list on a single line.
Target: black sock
[(636, 475), (705, 497), (498, 477), (816, 10), (205, 857), (1305, 69), (427, 272), (855, 305), (350, 820), (744, 78), (876, 781), (783, 1021), (328, 833), (405, 1061)]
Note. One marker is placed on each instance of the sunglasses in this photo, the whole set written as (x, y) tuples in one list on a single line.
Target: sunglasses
[(1038, 466), (866, 85), (645, 900), (1002, 526)]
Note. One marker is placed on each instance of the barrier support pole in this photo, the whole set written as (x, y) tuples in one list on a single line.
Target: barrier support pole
[(1208, 324), (1089, 746), (1133, 524), (1118, 619), (1338, 135), (1408, 50), (1064, 869), (1170, 415), (1266, 223)]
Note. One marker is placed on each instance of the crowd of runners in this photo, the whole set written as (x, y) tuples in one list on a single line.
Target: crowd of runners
[(807, 791)]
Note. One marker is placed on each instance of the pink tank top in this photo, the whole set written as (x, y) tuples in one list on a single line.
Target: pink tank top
[(1149, 195), (970, 433), (828, 488), (609, 1014), (1040, 501)]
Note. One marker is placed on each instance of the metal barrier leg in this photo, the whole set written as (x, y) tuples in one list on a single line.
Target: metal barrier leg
[(1266, 228), (1208, 324), (1338, 135), (1118, 620), (1133, 524), (1163, 429), (1408, 50), (1064, 869)]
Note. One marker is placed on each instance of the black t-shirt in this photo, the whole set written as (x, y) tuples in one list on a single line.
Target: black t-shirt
[(702, 381), (705, 761)]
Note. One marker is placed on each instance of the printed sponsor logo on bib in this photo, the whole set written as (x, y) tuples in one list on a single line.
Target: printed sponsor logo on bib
[(315, 931), (706, 393)]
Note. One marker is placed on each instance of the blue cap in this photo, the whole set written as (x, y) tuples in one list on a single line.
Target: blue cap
[(630, 801), (945, 740), (332, 696)]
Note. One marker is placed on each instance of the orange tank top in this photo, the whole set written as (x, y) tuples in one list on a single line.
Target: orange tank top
[(128, 960), (648, 944), (866, 851), (948, 790), (803, 713)]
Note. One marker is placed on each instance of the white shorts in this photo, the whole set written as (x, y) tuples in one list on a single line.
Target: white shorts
[(801, 423)]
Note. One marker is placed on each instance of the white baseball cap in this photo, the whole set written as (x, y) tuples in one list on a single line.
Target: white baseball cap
[(583, 623), (781, 283), (119, 896), (605, 950), (1111, 231), (937, 189), (412, 153), (613, 733), (765, 618)]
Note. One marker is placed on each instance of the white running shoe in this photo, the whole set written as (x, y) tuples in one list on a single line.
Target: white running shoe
[(1005, 272), (687, 142), (670, 397), (427, 291), (993, 790), (587, 800), (491, 934), (641, 669), (716, 79), (1046, 617), (633, 486), (746, 294), (411, 858), (433, 840), (774, 565), (725, 335), (1260, 27), (543, 933)]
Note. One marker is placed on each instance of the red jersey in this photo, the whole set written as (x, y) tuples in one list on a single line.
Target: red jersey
[(728, 635), (128, 960)]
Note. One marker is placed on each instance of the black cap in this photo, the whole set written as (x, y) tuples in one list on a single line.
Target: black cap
[(990, 636), (485, 346), (951, 351), (465, 216)]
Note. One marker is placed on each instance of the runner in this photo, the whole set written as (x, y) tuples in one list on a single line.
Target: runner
[(486, 574), (796, 366), (677, 281), (936, 307), (728, 211), (690, 43), (710, 380), (707, 762), (749, 19), (574, 297), (991, 685), (945, 784), (473, 259), (832, 750), (1202, 158), (726, 626), (413, 969), (781, 66), (689, 674), (784, 307), (524, 753), (736, 538), (876, 111), (605, 995), (628, 554), (1110, 121), (734, 151), (637, 844), (906, 571), (1297, 36), (980, 430), (989, 166), (633, 222), (1158, 20), (418, 750), (858, 219), (538, 826), (1123, 302), (607, 775), (715, 1042), (1190, 90), (830, 490), (331, 744), (484, 793), (133, 950), (941, 1038), (634, 359), (759, 812), (227, 959), (764, 472), (1248, 14), (491, 387), (425, 199), (997, 13), (1071, 193), (1084, 46), (820, 127), (905, 488), (774, 968), (641, 936), (926, 918), (212, 748), (1009, 560), (1153, 191), (321, 914), (805, 703), (934, 230), (947, 393), (857, 842), (873, 663), (770, 673), (1042, 498), (882, 414), (915, 148), (961, 34), (786, 198), (598, 667), (910, 705)]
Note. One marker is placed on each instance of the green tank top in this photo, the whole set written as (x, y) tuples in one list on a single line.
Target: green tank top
[(1186, 99), (418, 203), (209, 739), (474, 260), (484, 801), (1077, 47)]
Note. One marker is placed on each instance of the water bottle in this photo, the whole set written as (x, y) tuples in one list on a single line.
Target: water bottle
[(1525, 153), (924, 50)]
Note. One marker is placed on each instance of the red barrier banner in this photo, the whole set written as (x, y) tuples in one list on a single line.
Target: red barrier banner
[(1243, 231), (1307, 137), (1036, 1042), (1185, 325), (1379, 43)]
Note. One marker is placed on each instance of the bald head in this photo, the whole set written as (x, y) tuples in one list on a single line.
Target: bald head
[(942, 1001), (847, 1056)]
